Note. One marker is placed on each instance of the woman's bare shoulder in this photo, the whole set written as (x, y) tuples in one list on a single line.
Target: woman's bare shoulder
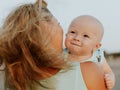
[(93, 76)]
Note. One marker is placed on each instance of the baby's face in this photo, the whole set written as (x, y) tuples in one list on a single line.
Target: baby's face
[(82, 38)]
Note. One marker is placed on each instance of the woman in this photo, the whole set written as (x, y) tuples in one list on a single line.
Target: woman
[(29, 53)]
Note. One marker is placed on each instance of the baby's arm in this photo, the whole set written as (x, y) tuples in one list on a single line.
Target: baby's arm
[(109, 75)]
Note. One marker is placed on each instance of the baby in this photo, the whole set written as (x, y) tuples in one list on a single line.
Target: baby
[(83, 39)]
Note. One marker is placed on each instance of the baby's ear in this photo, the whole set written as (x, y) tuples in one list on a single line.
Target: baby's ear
[(97, 46)]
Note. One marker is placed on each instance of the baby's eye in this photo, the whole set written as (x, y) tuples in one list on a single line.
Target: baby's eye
[(86, 36), (72, 32)]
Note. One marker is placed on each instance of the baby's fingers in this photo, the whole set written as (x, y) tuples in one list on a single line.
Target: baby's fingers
[(109, 85)]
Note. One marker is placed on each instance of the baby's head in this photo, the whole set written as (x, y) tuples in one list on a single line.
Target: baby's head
[(84, 35)]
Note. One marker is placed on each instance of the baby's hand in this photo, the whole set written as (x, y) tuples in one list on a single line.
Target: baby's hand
[(109, 80)]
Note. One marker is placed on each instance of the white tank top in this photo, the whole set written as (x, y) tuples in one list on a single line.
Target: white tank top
[(71, 79)]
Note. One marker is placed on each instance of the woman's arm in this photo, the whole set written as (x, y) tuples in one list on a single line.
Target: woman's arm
[(93, 76)]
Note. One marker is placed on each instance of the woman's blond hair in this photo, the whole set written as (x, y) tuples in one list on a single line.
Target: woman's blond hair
[(25, 48)]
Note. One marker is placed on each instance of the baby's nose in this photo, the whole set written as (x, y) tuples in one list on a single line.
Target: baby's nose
[(77, 38)]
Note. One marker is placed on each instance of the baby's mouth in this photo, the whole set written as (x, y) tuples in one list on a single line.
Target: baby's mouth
[(76, 44)]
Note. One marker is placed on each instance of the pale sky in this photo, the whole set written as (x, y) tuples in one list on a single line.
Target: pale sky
[(106, 11)]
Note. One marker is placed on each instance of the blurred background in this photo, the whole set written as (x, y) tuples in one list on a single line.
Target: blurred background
[(107, 11)]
